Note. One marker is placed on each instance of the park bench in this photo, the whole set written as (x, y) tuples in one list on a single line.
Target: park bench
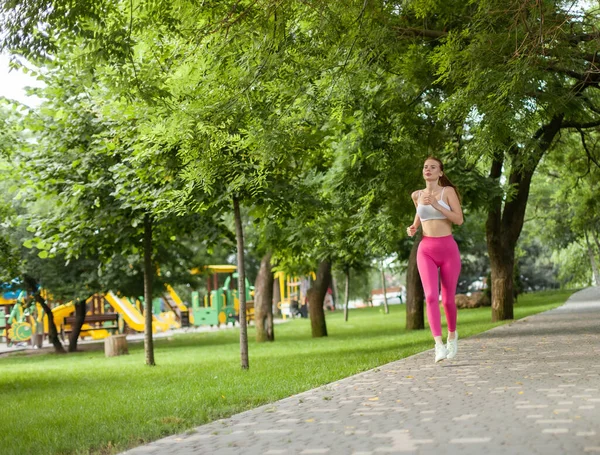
[(95, 321)]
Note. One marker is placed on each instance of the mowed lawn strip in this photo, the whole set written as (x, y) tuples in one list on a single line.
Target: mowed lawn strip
[(85, 403)]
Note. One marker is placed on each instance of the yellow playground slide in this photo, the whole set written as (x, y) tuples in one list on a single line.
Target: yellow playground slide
[(59, 314), (132, 316), (177, 300)]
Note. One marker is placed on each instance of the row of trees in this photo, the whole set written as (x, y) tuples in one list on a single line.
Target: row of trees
[(164, 122)]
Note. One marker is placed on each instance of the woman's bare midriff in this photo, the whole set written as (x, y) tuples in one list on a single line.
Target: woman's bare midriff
[(437, 228)]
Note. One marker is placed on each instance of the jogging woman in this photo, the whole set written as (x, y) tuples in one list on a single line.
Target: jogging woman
[(438, 208)]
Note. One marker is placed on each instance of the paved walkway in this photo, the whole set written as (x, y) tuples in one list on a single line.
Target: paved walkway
[(531, 387)]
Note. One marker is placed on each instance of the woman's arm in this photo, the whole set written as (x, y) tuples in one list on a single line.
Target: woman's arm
[(412, 229), (455, 213)]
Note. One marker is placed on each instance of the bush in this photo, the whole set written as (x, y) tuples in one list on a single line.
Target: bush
[(476, 300), (482, 299)]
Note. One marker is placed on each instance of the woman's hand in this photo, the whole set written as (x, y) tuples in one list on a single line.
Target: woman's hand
[(427, 199), (411, 230)]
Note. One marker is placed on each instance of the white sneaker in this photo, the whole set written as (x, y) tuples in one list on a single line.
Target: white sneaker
[(440, 352), (452, 346)]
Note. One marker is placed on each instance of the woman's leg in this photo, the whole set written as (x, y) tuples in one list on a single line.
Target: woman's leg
[(428, 271), (449, 272)]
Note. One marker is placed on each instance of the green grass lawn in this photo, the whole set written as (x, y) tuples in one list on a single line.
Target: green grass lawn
[(86, 403)]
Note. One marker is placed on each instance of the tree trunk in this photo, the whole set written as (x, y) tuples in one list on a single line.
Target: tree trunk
[(148, 278), (415, 310), (386, 308), (80, 310), (595, 237), (316, 296), (239, 234), (263, 301), (346, 293), (52, 332), (502, 274), (501, 252), (504, 223), (115, 345), (592, 260)]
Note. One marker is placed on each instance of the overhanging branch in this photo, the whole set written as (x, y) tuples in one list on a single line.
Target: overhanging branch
[(592, 58), (409, 31), (591, 157), (571, 73), (580, 126), (584, 37), (591, 105)]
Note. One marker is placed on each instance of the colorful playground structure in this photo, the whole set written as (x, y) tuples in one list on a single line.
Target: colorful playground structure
[(221, 303), (293, 300), (19, 320), (23, 320)]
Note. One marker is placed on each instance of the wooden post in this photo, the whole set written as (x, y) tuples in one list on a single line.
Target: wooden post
[(115, 345)]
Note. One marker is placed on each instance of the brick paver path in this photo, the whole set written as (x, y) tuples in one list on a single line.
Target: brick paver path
[(531, 387)]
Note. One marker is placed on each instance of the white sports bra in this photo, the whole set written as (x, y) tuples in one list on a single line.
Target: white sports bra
[(428, 212)]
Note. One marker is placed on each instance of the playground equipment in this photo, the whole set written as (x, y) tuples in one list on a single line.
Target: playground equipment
[(221, 304), (8, 298), (132, 316), (24, 319), (110, 313), (2, 323), (177, 306), (293, 301), (99, 322), (168, 317), (21, 318)]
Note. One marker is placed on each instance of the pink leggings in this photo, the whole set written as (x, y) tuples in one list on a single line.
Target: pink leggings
[(442, 253)]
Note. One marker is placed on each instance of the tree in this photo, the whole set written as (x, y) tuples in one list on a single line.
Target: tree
[(360, 89), (42, 276), (509, 98), (105, 196), (9, 141), (564, 209)]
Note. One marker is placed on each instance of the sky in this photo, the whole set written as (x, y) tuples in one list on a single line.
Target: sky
[(13, 83)]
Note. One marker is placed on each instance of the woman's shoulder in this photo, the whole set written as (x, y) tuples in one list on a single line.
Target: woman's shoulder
[(415, 194), (449, 190), (450, 196)]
